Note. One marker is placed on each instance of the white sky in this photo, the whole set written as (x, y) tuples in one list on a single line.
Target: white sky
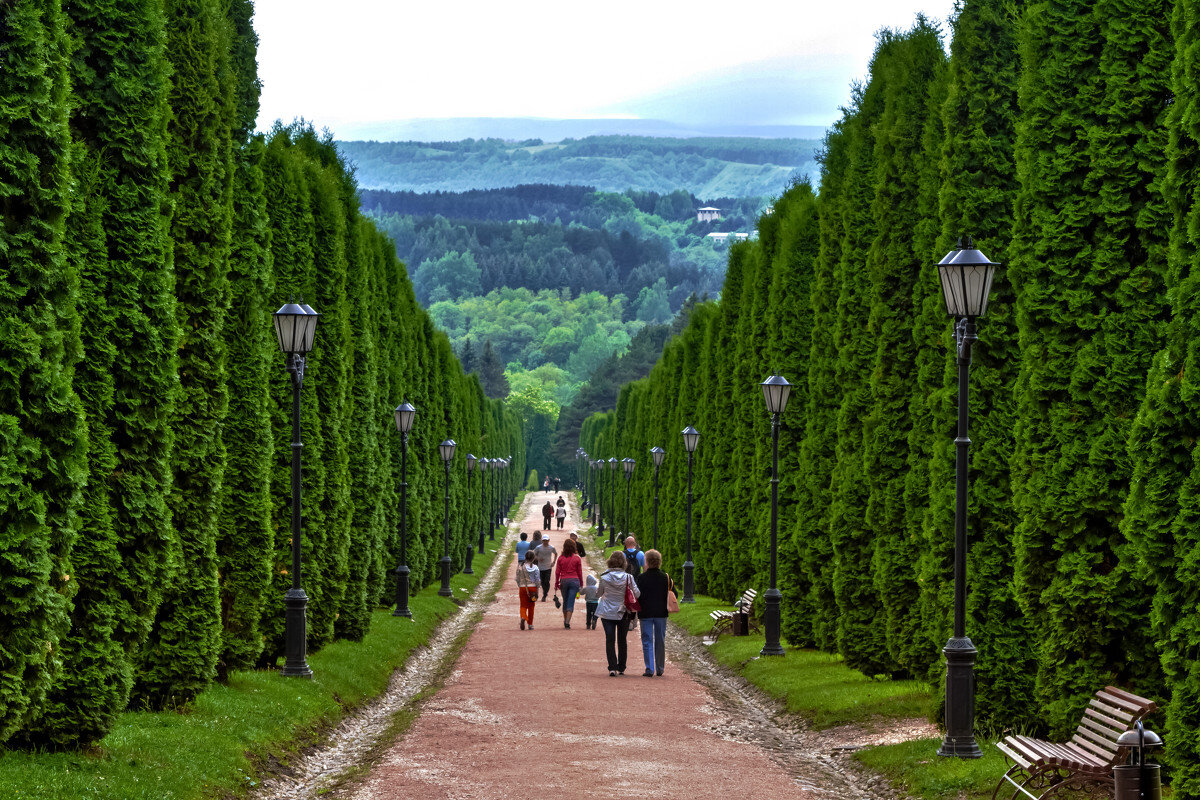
[(346, 63)]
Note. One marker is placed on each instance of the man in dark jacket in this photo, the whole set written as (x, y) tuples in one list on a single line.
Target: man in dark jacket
[(653, 584), (547, 513)]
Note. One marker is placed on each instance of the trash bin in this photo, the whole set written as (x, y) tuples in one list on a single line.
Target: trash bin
[(1138, 780), (741, 624)]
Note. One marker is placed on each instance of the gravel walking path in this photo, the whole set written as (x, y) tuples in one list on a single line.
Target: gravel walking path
[(536, 714)]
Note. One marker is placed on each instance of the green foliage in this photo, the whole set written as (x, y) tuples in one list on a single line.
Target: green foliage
[(533, 484), (43, 468), (180, 657), (707, 167)]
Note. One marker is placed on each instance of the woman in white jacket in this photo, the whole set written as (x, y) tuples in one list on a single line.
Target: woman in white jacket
[(612, 611)]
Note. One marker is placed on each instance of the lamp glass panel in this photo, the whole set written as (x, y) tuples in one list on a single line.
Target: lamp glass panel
[(288, 327), (952, 290), (309, 329), (446, 449), (978, 280)]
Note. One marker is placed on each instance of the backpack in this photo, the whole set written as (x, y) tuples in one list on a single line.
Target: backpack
[(632, 566)]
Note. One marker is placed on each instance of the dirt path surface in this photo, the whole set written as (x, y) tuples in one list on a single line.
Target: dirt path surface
[(536, 714)]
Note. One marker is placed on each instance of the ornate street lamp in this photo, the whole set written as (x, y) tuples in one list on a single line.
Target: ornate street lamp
[(467, 569), (405, 414), (446, 450), (296, 328), (598, 494), (775, 391), (628, 464), (612, 499), (966, 277), (691, 438), (659, 454)]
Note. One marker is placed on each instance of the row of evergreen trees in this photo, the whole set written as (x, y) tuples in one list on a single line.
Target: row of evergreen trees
[(1064, 137), (144, 473)]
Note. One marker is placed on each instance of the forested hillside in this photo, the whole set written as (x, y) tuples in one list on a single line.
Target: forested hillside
[(1084, 402), (148, 236), (706, 167)]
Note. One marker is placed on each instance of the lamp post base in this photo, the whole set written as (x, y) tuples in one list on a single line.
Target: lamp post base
[(444, 591), (467, 570), (689, 586), (960, 700), (402, 592), (481, 543), (295, 663), (771, 615)]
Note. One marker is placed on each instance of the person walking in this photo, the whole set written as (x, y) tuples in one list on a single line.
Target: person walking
[(527, 588), (591, 597), (613, 614), (568, 576), (546, 485), (547, 513), (522, 547), (654, 585), (560, 512), (556, 482), (635, 560), (546, 556), (578, 544)]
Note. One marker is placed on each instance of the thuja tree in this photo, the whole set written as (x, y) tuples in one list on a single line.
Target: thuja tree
[(127, 379), (976, 199), (244, 535), (180, 658), (860, 639), (42, 427), (817, 456), (1088, 308), (909, 70), (1161, 514)]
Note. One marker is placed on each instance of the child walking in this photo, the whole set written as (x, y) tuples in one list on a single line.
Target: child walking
[(591, 595), (529, 579)]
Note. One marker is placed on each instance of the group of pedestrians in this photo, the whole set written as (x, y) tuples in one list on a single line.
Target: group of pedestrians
[(632, 590), (556, 511), (550, 484)]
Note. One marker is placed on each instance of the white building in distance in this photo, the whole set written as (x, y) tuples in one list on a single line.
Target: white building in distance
[(708, 214)]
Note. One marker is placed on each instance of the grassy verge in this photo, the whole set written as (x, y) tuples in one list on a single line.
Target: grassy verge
[(209, 748), (916, 767), (822, 689)]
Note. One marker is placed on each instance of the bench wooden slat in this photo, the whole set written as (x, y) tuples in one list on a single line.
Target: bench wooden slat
[(1103, 737), (1145, 705), (1104, 719), (1017, 757), (1116, 713), (1032, 750), (1091, 719), (1100, 751), (1114, 699)]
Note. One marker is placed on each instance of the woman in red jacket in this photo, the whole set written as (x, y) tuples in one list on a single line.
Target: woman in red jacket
[(568, 575)]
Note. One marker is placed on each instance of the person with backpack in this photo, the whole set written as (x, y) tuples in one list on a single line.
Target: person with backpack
[(547, 513), (657, 590), (636, 560), (615, 585), (528, 578), (560, 512)]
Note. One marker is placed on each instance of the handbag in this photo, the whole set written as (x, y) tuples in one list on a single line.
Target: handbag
[(672, 600), (631, 603), (557, 602)]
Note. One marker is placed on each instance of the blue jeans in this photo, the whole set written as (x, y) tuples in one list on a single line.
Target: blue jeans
[(570, 588), (654, 643)]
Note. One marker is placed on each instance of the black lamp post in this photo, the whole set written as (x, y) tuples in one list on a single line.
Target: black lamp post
[(405, 414), (628, 464), (775, 391), (296, 327), (659, 454), (482, 490), (691, 438), (612, 500), (598, 487), (446, 449), (595, 510), (467, 568), (966, 277)]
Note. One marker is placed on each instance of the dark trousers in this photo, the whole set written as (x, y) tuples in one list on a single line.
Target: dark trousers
[(616, 633), (545, 581), (545, 523), (591, 615), (561, 520)]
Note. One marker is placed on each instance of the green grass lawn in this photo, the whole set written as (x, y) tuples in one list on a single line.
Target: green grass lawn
[(209, 748), (916, 767)]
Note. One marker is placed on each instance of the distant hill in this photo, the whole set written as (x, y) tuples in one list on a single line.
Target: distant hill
[(448, 129), (704, 166)]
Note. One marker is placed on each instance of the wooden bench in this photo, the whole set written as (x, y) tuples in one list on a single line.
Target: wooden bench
[(1084, 765), (723, 620)]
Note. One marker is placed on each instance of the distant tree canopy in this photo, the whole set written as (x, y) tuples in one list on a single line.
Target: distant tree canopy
[(706, 167)]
